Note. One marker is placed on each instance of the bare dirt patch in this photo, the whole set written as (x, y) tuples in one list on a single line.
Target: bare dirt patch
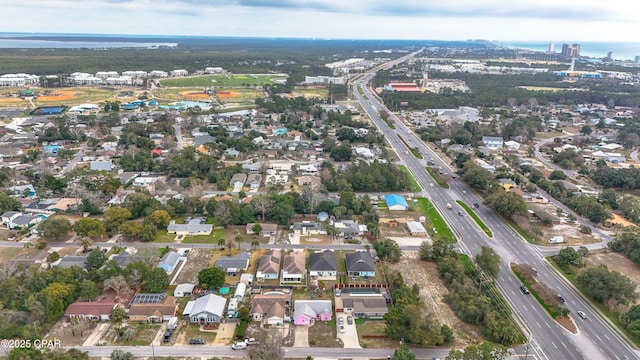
[(71, 333), (571, 233), (432, 292), (197, 260), (619, 220), (315, 240)]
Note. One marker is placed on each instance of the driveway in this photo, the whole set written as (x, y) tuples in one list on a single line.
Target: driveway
[(97, 334), (350, 336), (301, 336)]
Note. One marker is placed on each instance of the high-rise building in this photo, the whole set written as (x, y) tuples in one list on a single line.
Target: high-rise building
[(637, 59), (550, 48), (610, 55), (571, 51)]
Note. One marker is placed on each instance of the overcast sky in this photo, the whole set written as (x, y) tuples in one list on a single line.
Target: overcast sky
[(505, 20)]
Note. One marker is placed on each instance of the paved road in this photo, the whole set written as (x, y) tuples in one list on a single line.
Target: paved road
[(595, 340), (571, 174), (178, 133), (75, 160)]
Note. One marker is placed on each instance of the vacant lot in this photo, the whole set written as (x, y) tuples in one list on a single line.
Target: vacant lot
[(197, 260), (323, 334), (615, 262), (71, 333), (432, 292)]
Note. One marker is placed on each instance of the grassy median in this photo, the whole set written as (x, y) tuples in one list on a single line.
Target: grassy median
[(475, 217), (435, 221), (437, 179)]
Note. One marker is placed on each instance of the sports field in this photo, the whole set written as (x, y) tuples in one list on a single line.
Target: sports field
[(222, 80), (67, 96)]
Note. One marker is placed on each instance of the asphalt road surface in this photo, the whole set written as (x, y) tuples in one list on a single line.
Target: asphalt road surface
[(595, 339)]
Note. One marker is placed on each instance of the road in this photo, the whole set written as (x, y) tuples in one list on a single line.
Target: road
[(571, 174), (226, 351), (76, 159), (595, 338), (178, 133)]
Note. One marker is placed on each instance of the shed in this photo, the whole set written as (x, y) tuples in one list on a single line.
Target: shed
[(241, 288), (183, 290)]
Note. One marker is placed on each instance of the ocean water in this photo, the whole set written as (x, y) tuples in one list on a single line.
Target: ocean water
[(77, 44), (621, 51)]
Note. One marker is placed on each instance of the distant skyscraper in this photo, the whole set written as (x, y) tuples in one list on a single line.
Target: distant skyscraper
[(550, 48), (637, 59), (571, 51), (610, 55)]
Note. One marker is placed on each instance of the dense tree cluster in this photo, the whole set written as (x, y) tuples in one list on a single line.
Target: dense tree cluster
[(624, 178), (361, 177), (627, 243), (602, 285)]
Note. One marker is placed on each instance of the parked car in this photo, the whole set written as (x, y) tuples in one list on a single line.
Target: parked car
[(241, 345), (341, 321), (342, 330), (196, 341), (561, 298), (349, 320), (524, 289), (167, 337)]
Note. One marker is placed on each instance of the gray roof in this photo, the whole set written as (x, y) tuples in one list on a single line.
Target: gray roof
[(239, 261), (171, 258), (323, 261), (71, 260), (212, 304), (201, 140), (102, 165), (359, 261), (23, 219), (123, 259), (184, 288), (312, 307), (9, 214), (192, 228), (492, 138)]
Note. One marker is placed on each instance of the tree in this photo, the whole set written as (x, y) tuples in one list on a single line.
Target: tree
[(119, 285), (403, 353), (90, 227), (425, 252), (156, 281), (54, 228), (476, 176), (256, 228), (53, 257), (118, 314), (149, 233), (7, 203), (484, 351), (341, 153), (87, 290), (118, 354), (115, 216), (601, 285), (282, 212), (488, 261), (212, 277), (507, 204), (130, 230), (387, 249), (255, 243), (230, 245), (557, 175), (160, 218), (586, 130), (95, 259), (568, 256), (262, 204)]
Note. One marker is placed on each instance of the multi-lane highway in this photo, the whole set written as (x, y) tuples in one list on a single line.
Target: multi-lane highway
[(595, 338)]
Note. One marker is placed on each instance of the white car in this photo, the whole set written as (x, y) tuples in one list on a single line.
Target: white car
[(582, 314), (342, 330)]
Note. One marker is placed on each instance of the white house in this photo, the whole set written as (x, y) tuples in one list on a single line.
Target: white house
[(493, 142), (293, 268), (241, 289), (183, 290), (144, 181), (179, 72)]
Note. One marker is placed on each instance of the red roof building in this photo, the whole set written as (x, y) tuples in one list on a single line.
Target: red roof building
[(90, 310), (404, 87)]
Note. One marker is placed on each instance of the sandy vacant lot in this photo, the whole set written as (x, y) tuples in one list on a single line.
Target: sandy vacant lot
[(432, 291)]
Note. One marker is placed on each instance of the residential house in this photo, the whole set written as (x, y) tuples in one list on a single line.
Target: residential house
[(9, 216), (232, 265), (360, 264), (23, 190), (307, 311), (124, 258), (507, 184), (273, 178), (293, 267), (90, 310), (308, 169), (169, 261), (101, 165), (252, 168), (267, 229), (183, 290), (416, 228), (237, 180), (494, 142), (152, 307), (307, 228), (205, 310), (254, 181), (269, 265), (71, 260), (512, 145), (194, 226), (367, 303), (24, 221), (349, 228), (483, 164), (323, 265), (364, 152), (270, 307), (396, 202), (145, 181)]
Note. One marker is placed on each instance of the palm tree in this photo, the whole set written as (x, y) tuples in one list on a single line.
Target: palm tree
[(230, 245), (238, 238), (28, 245), (86, 243), (221, 242), (255, 243)]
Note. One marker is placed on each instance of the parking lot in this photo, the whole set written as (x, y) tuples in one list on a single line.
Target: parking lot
[(350, 335)]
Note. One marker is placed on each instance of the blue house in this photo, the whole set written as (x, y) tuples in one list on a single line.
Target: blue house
[(360, 264), (396, 202), (51, 149), (169, 261), (129, 106)]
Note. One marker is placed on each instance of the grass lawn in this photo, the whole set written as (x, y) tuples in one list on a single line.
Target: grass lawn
[(614, 317), (10, 253), (389, 123), (204, 239), (437, 179), (435, 220), (415, 187), (162, 236), (193, 332), (475, 217), (221, 80), (522, 232), (371, 328)]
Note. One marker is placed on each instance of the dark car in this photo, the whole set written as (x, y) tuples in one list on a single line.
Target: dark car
[(167, 337), (560, 298), (476, 205), (524, 289), (196, 341)]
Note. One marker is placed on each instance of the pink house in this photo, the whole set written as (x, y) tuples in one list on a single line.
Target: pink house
[(307, 311)]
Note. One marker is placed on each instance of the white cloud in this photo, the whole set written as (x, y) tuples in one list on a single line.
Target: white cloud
[(574, 20)]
